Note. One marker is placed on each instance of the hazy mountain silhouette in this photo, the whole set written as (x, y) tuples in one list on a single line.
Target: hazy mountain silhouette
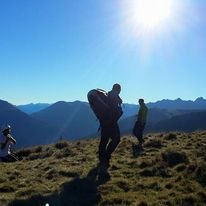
[(131, 109), (199, 103), (168, 107), (74, 119), (26, 130), (155, 115), (186, 122), (31, 108)]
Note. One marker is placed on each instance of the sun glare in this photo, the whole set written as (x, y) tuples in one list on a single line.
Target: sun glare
[(150, 14)]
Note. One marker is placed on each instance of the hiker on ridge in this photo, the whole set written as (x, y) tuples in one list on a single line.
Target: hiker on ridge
[(110, 128), (6, 143), (140, 123), (107, 108)]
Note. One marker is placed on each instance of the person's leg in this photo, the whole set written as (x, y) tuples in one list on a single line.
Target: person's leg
[(141, 129), (135, 129), (138, 132), (103, 163), (115, 139), (104, 141)]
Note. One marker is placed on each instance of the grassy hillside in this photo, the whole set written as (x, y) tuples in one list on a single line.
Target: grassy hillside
[(171, 171)]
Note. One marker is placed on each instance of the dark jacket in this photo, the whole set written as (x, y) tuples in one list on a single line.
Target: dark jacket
[(115, 105)]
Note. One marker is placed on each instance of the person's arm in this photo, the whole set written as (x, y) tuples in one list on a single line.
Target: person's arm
[(119, 100)]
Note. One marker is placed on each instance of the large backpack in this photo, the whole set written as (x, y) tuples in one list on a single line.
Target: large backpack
[(99, 102), (101, 105)]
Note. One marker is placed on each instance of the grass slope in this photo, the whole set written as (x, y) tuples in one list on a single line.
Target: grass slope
[(171, 171)]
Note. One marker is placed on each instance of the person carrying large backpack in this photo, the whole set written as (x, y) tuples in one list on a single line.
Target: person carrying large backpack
[(107, 108)]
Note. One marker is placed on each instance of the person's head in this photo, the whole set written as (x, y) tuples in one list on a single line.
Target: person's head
[(141, 101), (6, 130), (116, 88)]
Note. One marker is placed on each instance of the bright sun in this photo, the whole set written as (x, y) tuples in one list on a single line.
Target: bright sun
[(150, 14)]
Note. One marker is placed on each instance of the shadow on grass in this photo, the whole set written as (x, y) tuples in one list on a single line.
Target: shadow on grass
[(78, 192)]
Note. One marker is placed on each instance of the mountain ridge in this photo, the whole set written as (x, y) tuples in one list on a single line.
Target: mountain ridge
[(26, 130), (75, 120), (198, 103)]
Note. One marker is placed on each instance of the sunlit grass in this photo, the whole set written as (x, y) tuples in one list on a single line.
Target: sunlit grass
[(171, 171)]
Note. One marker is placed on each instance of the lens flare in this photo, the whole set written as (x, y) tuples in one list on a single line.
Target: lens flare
[(150, 14)]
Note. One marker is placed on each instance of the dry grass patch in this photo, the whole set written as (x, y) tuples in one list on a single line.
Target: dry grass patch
[(170, 171)]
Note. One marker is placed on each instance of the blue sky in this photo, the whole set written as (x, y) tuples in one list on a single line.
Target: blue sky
[(58, 50)]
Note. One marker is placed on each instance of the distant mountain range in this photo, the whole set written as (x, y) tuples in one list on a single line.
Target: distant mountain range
[(199, 103), (167, 121), (186, 122), (75, 120), (131, 109), (25, 129), (31, 108)]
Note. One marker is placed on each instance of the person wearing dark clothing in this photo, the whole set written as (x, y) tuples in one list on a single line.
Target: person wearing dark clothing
[(141, 122), (110, 133)]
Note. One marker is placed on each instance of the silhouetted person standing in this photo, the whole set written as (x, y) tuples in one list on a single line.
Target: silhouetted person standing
[(110, 133), (141, 122)]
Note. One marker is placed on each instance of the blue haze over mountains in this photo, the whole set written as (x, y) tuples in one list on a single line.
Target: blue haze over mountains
[(26, 130), (31, 108), (46, 123), (178, 104)]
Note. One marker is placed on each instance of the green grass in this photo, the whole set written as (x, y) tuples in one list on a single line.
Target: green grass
[(170, 171)]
